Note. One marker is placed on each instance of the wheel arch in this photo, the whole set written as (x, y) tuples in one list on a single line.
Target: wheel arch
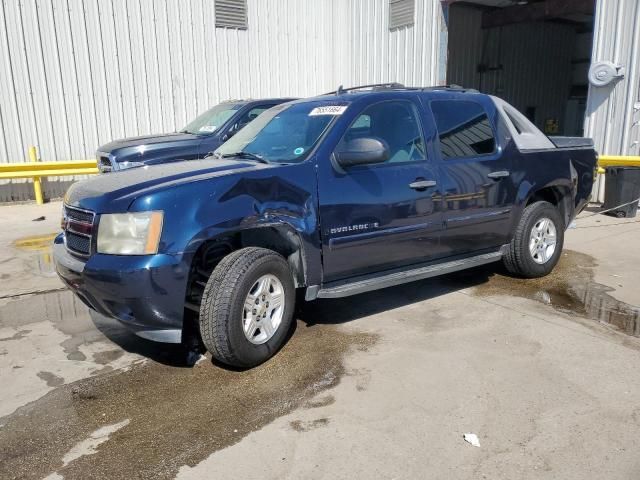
[(279, 237), (558, 194)]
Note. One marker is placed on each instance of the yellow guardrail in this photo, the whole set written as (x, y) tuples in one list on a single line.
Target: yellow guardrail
[(617, 161), (36, 170)]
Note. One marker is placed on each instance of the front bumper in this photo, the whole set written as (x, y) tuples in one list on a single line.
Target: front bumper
[(146, 293)]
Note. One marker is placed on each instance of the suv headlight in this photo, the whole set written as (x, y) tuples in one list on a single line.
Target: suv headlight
[(130, 233)]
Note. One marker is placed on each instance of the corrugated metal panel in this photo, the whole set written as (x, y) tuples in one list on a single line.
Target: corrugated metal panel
[(613, 113), (409, 55), (465, 45), (80, 73), (527, 64), (545, 51)]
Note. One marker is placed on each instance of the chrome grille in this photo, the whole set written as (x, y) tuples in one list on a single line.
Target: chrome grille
[(78, 230), (78, 243)]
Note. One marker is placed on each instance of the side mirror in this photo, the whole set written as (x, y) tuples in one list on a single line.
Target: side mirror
[(361, 151)]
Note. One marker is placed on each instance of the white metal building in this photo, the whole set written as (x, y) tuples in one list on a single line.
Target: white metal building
[(79, 73)]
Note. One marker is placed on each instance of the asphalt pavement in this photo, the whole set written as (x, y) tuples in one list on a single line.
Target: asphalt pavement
[(380, 385)]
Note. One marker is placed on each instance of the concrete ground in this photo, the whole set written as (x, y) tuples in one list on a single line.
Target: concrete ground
[(380, 385)]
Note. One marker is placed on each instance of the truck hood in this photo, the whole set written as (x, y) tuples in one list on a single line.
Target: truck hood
[(148, 140), (116, 191)]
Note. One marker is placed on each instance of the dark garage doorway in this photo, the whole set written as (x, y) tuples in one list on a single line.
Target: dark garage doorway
[(534, 54)]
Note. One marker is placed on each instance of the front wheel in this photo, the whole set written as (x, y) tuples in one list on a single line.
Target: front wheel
[(247, 307), (537, 243)]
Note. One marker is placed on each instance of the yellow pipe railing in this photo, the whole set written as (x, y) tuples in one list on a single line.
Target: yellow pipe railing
[(36, 170), (37, 184), (618, 161)]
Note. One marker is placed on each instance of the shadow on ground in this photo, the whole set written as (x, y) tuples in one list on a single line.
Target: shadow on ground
[(342, 310)]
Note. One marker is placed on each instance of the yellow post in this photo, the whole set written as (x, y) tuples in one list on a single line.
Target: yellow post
[(37, 184)]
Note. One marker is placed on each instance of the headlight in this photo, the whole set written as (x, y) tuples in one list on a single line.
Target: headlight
[(130, 233)]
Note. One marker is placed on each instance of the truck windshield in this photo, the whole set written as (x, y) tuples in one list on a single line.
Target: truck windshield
[(212, 119), (282, 134)]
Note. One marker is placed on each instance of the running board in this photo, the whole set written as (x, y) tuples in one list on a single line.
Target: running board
[(405, 276)]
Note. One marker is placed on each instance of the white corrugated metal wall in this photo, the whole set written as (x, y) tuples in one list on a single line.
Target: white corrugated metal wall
[(613, 112), (79, 73)]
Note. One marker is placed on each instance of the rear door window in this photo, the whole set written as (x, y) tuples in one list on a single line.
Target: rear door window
[(464, 129)]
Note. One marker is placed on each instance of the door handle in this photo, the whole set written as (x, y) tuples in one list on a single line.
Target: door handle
[(422, 184), (499, 174)]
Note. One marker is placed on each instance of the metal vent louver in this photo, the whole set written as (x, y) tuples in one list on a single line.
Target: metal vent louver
[(401, 13), (231, 14)]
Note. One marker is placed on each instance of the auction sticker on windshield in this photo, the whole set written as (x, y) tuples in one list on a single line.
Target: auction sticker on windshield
[(328, 110)]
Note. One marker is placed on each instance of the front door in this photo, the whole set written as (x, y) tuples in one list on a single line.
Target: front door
[(377, 217)]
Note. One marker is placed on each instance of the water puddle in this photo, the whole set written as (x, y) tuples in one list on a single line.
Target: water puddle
[(41, 259), (177, 416), (62, 309), (571, 289)]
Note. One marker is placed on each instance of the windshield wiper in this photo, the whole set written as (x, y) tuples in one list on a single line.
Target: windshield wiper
[(247, 155)]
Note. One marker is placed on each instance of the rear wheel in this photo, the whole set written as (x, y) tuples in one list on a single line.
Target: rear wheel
[(537, 243), (247, 307)]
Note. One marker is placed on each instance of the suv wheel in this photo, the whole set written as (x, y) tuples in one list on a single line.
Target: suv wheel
[(537, 243), (247, 307)]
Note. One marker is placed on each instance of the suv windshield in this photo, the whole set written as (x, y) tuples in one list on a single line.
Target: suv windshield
[(212, 119), (285, 133)]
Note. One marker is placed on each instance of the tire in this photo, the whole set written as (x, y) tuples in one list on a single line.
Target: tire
[(519, 260), (224, 318)]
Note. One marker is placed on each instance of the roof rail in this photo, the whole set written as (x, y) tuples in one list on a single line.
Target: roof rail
[(398, 86), (453, 86), (373, 86)]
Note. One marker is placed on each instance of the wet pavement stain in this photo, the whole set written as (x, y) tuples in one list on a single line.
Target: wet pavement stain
[(107, 356), (177, 416), (16, 336), (301, 427), (52, 379), (321, 402), (570, 289)]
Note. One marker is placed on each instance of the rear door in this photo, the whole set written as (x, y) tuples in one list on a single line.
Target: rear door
[(381, 216), (478, 189)]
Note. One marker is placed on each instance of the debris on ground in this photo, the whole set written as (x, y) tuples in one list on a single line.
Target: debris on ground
[(193, 358), (472, 438), (39, 219)]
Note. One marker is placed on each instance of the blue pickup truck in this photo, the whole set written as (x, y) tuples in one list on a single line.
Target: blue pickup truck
[(335, 195), (200, 137)]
